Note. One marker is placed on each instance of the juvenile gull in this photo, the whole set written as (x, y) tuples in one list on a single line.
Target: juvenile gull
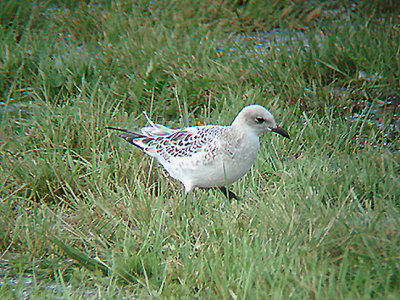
[(209, 156)]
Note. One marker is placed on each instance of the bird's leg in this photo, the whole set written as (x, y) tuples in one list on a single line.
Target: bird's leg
[(189, 197), (230, 195)]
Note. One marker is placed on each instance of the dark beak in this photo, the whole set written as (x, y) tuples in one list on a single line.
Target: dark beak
[(280, 131)]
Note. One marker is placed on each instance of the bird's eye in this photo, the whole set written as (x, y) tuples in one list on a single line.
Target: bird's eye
[(259, 120)]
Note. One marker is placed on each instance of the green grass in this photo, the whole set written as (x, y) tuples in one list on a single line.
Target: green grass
[(84, 214)]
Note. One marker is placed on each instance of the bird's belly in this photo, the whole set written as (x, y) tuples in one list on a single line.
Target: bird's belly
[(221, 171)]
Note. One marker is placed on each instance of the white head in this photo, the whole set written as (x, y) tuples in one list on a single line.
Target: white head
[(259, 119)]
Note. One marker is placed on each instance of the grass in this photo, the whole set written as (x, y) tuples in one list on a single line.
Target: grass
[(84, 214)]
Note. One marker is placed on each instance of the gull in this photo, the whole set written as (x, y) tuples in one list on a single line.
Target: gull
[(208, 156)]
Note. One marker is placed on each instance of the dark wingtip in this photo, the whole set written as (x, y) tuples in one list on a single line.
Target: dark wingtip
[(128, 136), (118, 129), (281, 131)]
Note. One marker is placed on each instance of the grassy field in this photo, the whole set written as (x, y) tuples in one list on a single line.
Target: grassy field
[(84, 214)]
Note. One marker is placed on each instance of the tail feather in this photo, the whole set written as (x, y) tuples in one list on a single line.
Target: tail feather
[(128, 136)]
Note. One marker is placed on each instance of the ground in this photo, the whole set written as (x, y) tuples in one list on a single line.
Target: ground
[(84, 214)]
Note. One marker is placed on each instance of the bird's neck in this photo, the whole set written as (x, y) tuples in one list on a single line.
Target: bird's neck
[(243, 135)]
